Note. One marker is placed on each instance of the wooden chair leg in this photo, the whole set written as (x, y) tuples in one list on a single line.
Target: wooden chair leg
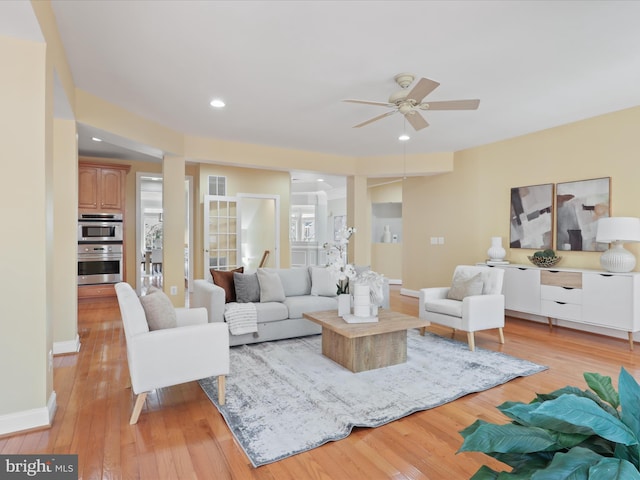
[(423, 330), (501, 333), (472, 341), (137, 408), (221, 389)]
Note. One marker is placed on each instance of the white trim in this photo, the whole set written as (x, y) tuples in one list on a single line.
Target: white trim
[(395, 281), (409, 293), (68, 346), (29, 419)]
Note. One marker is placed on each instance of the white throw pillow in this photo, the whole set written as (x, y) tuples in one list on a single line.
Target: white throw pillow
[(323, 282), (271, 289), (158, 310), (465, 287)]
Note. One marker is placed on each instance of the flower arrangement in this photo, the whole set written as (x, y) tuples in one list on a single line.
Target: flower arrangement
[(337, 259)]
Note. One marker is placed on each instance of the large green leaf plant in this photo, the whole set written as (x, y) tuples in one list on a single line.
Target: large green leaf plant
[(567, 434)]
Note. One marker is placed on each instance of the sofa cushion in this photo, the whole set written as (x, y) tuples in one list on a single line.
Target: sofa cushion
[(323, 282), (158, 309), (445, 307), (247, 287), (295, 281), (465, 286), (224, 279), (271, 312), (271, 289), (309, 303)]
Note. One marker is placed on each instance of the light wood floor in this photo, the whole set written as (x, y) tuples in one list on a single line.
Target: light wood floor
[(181, 435)]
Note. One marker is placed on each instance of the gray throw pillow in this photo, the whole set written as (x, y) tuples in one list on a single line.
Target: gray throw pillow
[(465, 287), (247, 287), (323, 282), (271, 289), (158, 309)]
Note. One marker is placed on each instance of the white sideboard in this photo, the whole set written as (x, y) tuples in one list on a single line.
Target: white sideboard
[(591, 297)]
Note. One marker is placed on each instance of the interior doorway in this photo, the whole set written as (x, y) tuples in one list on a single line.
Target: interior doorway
[(150, 232)]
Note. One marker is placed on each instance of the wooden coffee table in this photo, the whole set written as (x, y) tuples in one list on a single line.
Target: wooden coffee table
[(365, 346)]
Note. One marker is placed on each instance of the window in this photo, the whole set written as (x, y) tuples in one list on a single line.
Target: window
[(217, 185)]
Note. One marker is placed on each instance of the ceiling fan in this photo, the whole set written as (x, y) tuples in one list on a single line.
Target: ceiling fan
[(409, 102)]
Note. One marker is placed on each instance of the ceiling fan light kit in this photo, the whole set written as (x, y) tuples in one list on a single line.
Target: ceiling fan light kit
[(409, 102)]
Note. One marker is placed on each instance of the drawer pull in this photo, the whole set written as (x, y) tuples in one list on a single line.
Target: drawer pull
[(568, 288), (561, 303), (522, 268), (605, 275), (554, 271)]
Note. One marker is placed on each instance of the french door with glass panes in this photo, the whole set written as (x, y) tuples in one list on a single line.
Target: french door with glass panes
[(221, 239), (241, 231)]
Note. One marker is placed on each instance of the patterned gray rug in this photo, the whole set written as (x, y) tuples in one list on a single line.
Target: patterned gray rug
[(285, 397)]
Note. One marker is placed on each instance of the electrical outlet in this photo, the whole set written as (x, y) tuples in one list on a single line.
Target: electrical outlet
[(434, 240), (440, 240), (50, 360), (174, 290)]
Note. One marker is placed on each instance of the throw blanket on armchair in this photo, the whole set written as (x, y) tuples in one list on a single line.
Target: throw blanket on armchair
[(241, 317)]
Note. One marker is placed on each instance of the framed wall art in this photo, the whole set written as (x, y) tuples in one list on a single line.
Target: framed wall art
[(579, 205), (531, 217)]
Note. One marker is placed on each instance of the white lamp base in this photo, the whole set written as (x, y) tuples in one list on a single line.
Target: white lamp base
[(617, 259)]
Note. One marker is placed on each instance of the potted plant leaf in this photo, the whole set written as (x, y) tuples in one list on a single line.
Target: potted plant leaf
[(566, 434)]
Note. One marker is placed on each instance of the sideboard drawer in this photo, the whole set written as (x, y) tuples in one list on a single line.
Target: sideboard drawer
[(567, 311), (561, 279), (561, 294)]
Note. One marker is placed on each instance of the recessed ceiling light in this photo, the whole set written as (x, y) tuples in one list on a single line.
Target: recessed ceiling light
[(321, 180), (96, 139), (217, 103), (404, 137)]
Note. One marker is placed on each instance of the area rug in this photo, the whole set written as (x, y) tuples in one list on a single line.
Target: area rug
[(285, 397)]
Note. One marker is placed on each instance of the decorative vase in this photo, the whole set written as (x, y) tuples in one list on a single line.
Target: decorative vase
[(344, 304), (361, 301), (496, 252), (386, 235)]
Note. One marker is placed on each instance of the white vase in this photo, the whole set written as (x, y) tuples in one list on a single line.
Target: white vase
[(496, 252), (344, 304), (386, 234)]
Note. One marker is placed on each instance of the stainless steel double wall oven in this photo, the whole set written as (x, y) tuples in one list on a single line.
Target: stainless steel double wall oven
[(100, 237)]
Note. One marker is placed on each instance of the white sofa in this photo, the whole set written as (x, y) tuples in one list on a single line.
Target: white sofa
[(282, 319)]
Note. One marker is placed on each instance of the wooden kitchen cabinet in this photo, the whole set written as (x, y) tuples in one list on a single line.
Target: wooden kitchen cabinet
[(101, 188)]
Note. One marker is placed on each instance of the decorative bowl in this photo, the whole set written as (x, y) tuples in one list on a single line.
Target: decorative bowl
[(544, 262)]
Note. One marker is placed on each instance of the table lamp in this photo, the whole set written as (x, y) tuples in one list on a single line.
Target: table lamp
[(616, 231)]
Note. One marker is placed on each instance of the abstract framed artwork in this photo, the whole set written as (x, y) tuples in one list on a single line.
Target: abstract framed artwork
[(532, 217), (579, 205)]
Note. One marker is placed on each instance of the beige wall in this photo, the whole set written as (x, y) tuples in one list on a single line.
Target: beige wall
[(65, 173), (26, 118), (471, 204)]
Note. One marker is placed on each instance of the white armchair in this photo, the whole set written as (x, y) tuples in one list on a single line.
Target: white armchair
[(193, 350), (473, 302)]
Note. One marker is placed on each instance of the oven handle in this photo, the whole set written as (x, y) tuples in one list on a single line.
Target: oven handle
[(87, 257)]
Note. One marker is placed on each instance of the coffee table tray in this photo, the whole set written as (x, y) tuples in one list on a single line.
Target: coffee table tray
[(355, 319)]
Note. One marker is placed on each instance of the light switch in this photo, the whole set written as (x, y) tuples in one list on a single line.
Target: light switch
[(434, 240), (440, 240)]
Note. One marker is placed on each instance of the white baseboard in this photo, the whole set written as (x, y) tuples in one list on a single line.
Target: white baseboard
[(29, 419), (69, 346), (395, 281), (409, 293)]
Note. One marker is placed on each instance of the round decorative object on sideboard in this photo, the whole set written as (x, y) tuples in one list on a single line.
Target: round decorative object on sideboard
[(496, 252), (544, 262)]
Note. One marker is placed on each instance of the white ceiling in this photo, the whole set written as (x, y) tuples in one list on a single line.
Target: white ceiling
[(284, 67)]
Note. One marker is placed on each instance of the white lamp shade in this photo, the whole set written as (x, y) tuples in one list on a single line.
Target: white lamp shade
[(625, 229)]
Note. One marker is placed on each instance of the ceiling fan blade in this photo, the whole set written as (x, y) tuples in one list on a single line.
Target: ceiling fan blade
[(375, 119), (416, 120), (365, 102), (421, 89), (451, 105)]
